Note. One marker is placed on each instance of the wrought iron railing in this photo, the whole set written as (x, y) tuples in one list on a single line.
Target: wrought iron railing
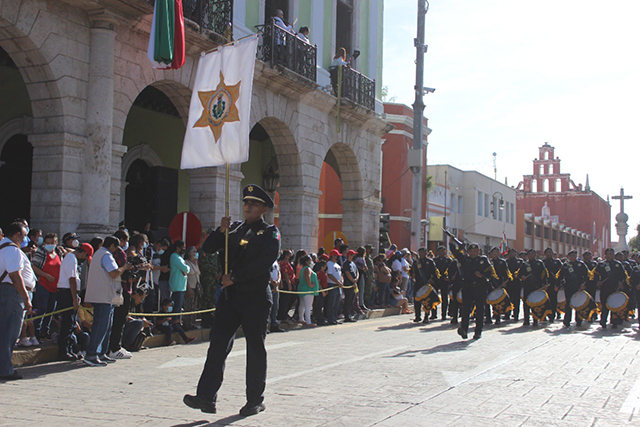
[(212, 15), (284, 48), (358, 88)]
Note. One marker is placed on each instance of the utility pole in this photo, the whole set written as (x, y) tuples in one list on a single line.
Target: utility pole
[(415, 160)]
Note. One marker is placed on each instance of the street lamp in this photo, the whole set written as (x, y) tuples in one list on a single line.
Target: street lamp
[(270, 180)]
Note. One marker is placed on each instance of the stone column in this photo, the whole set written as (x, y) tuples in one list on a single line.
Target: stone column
[(298, 220), (360, 221), (96, 179), (207, 194), (56, 192), (116, 214)]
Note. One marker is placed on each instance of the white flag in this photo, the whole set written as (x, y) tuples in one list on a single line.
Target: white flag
[(219, 114)]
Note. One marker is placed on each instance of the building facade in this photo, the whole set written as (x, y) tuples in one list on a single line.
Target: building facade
[(92, 134), (472, 206), (573, 206)]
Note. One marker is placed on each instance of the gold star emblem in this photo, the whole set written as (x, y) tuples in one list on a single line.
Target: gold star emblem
[(219, 107), (250, 189)]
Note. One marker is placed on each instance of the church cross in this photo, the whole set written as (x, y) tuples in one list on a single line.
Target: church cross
[(622, 198)]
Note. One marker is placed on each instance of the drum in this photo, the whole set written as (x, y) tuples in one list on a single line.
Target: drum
[(540, 305), (617, 302), (428, 297), (459, 296), (500, 301), (583, 304), (598, 301), (562, 301)]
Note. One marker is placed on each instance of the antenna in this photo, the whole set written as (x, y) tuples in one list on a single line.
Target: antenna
[(495, 166)]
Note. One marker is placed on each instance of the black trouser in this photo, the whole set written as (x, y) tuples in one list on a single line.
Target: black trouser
[(318, 306), (514, 289), (349, 295), (119, 319), (553, 299), (249, 309), (473, 295), (605, 291), (636, 292), (417, 305), (527, 310), (283, 309), (591, 289), (568, 292), (456, 307), (64, 300)]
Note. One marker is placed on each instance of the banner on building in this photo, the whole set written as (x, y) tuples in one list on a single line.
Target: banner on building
[(166, 48), (219, 113), (435, 229)]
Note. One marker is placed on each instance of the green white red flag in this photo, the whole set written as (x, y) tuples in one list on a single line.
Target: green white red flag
[(166, 49), (503, 246)]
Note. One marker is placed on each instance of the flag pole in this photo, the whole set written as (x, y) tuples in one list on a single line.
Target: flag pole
[(227, 179)]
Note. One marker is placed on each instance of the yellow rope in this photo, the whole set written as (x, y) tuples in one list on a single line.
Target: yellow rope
[(209, 310), (313, 292)]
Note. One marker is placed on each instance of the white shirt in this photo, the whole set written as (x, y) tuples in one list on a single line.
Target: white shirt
[(275, 270), (13, 259), (333, 269), (68, 270), (405, 268)]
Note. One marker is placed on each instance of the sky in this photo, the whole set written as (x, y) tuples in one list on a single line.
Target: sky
[(512, 75)]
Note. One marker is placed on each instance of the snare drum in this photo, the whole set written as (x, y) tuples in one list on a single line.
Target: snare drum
[(540, 305), (562, 301), (617, 302), (500, 301), (583, 304)]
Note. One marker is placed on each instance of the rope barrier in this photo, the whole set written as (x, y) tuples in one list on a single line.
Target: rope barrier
[(313, 292), (42, 316)]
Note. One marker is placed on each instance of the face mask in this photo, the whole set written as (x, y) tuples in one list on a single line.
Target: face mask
[(40, 241), (49, 248), (126, 246), (197, 255), (28, 230), (160, 252), (75, 243), (145, 245), (169, 309)]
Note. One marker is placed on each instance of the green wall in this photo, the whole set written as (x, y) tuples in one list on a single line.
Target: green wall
[(252, 14), (164, 134), (14, 98), (363, 61), (328, 33), (304, 15), (380, 52), (260, 154)]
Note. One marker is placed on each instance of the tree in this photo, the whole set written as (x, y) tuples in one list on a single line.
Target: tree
[(634, 242), (385, 95), (428, 184)]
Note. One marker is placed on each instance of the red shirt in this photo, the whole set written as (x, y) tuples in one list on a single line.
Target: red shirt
[(51, 266), (322, 279), (286, 268)]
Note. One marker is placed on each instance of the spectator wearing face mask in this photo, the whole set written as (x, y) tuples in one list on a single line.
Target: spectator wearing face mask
[(120, 312), (46, 264), (194, 289), (152, 302), (178, 277), (167, 326), (70, 242)]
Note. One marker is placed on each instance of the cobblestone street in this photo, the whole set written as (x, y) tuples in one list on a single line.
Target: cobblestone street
[(383, 372)]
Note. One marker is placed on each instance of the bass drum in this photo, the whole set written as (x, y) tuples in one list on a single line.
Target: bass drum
[(562, 301), (428, 297), (500, 301), (617, 302), (583, 304)]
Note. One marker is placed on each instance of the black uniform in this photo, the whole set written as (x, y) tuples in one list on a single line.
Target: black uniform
[(422, 270), (534, 277), (514, 287), (474, 288), (627, 288), (572, 276), (442, 282), (503, 276), (253, 248), (454, 278), (553, 267), (635, 286), (612, 277), (592, 280)]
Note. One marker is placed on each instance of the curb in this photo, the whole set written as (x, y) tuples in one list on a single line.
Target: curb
[(49, 352)]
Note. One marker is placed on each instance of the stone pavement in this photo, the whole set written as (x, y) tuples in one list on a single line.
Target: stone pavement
[(378, 372)]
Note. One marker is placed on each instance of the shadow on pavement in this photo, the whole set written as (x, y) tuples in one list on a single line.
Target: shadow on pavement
[(401, 326), (35, 371), (194, 424), (443, 348)]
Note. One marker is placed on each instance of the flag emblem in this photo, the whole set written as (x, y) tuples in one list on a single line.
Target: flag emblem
[(219, 107)]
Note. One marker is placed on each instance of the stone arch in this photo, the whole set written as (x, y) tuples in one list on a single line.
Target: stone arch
[(21, 125), (42, 86), (348, 169)]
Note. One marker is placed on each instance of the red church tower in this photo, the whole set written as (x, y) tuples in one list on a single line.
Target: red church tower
[(574, 206)]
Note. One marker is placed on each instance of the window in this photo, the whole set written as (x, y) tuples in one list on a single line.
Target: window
[(573, 240), (554, 235), (558, 184), (494, 207), (344, 26), (545, 185), (480, 205), (501, 211), (538, 230), (460, 204), (270, 7), (527, 228), (541, 170), (513, 216), (546, 232), (486, 206), (453, 199)]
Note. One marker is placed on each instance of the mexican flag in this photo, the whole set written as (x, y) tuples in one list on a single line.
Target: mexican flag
[(166, 40), (504, 249)]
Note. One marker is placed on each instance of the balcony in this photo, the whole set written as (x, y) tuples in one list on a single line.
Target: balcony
[(280, 47), (210, 15), (358, 88)]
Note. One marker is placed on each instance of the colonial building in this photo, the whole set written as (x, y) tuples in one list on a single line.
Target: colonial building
[(579, 210), (91, 134)]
